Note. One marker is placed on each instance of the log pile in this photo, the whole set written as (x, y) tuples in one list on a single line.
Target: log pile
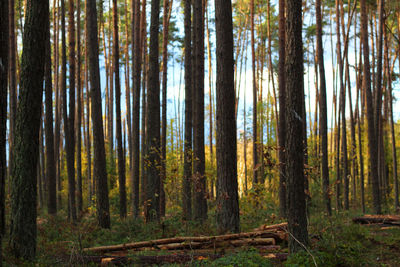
[(378, 220), (186, 249), (268, 237)]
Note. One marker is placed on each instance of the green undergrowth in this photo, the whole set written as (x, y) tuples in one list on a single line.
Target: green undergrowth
[(334, 241)]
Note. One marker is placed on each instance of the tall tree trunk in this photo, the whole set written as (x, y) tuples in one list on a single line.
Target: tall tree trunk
[(187, 168), (282, 108), (4, 71), (227, 190), (120, 152), (79, 109), (166, 16), (12, 81), (297, 218), (253, 60), (127, 88), (200, 201), (152, 203), (23, 182), (69, 118), (323, 115), (394, 152), (342, 108), (136, 46), (144, 104), (50, 164), (99, 161), (372, 144), (378, 98), (57, 119)]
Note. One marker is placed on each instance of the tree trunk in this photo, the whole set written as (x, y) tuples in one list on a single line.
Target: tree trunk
[(152, 203), (136, 46), (166, 16), (69, 118), (199, 178), (12, 81), (23, 183), (79, 109), (282, 108), (187, 168), (297, 218), (4, 71), (372, 144), (50, 164), (120, 152), (253, 60), (99, 163), (323, 115), (227, 190)]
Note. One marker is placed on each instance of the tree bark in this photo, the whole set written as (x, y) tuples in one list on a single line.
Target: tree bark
[(136, 46), (120, 152), (187, 167), (23, 186), (166, 15), (152, 204), (253, 60), (50, 162), (372, 144), (199, 178), (227, 190), (78, 109), (323, 115), (4, 71), (297, 218), (99, 161), (282, 108)]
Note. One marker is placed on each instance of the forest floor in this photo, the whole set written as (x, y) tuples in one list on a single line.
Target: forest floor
[(335, 241)]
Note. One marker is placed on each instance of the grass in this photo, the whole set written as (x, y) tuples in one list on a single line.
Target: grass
[(334, 241)]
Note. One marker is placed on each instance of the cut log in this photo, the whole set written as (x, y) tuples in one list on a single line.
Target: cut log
[(274, 227), (378, 219), (216, 243), (278, 236)]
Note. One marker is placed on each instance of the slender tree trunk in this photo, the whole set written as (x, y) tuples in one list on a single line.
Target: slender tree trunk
[(23, 183), (323, 115), (69, 119), (372, 145), (50, 164), (120, 152), (166, 16), (4, 72), (200, 202), (79, 109), (12, 81), (342, 104), (57, 120), (99, 168), (227, 190), (152, 203), (144, 104), (282, 108), (136, 46), (187, 168), (253, 60)]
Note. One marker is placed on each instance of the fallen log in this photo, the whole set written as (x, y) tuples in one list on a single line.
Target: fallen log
[(274, 227), (278, 236), (378, 219), (219, 243)]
